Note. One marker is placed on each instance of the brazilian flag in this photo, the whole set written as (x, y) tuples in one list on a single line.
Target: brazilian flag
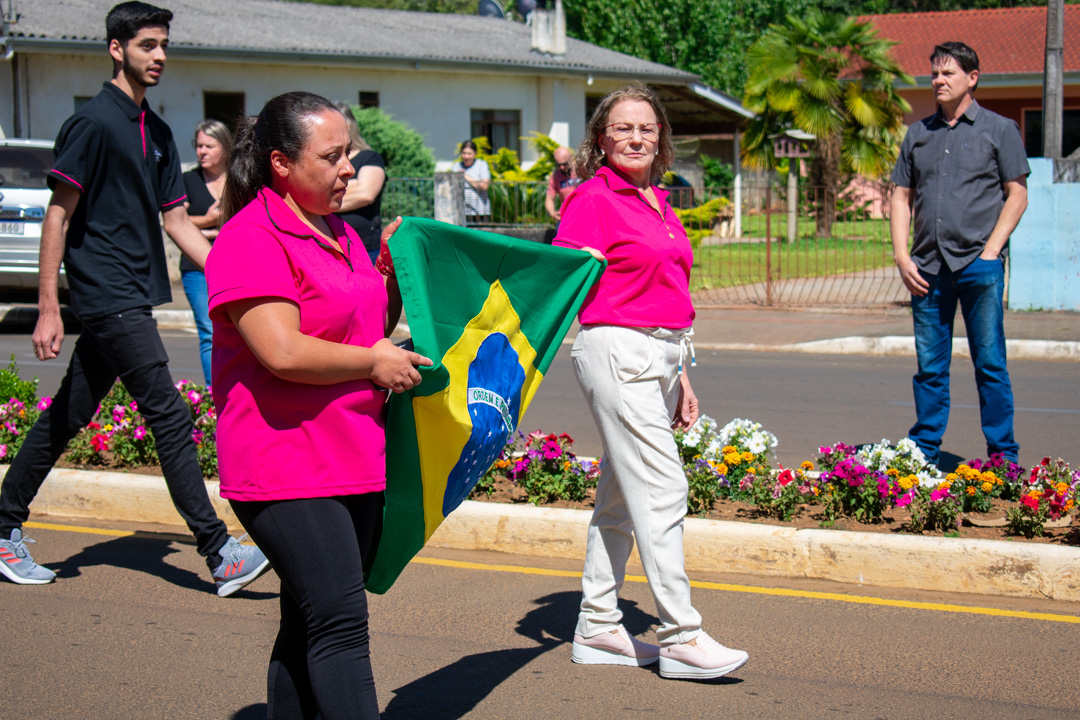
[(490, 311)]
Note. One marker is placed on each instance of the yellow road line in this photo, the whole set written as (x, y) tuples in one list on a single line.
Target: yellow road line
[(79, 529), (726, 587), (784, 592)]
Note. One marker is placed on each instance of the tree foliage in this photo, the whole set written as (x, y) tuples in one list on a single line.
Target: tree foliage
[(706, 37), (833, 77)]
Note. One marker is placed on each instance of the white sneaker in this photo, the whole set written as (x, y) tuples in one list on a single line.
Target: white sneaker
[(705, 659), (613, 648)]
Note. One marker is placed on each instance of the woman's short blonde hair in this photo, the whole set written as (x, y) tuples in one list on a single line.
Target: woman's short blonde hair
[(590, 157), (220, 132), (358, 143)]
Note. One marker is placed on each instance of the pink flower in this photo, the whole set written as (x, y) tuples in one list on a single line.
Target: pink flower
[(905, 499), (197, 436), (44, 403), (118, 413), (134, 406), (940, 494), (193, 397), (552, 450), (10, 427), (3, 451), (140, 432)]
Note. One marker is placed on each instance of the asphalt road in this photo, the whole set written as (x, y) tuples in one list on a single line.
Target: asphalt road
[(132, 629), (806, 400)]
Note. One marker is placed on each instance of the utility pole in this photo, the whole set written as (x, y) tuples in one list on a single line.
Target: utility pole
[(1053, 102)]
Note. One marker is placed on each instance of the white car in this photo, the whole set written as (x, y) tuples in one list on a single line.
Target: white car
[(24, 195)]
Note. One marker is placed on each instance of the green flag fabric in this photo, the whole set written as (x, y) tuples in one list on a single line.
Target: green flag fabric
[(491, 312)]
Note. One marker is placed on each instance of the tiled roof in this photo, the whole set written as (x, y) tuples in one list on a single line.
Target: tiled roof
[(1007, 40), (312, 30)]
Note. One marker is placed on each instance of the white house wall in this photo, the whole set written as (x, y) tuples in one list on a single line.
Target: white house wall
[(435, 103)]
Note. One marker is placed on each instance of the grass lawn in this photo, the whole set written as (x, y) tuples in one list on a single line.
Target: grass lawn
[(744, 263), (754, 226)]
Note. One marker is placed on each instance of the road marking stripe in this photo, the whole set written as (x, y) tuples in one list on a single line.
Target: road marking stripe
[(836, 597), (79, 529), (784, 592)]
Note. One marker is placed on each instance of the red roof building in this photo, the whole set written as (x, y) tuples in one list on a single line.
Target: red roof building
[(1011, 44)]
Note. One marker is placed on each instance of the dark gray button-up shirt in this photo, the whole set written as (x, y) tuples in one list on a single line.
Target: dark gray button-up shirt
[(957, 177)]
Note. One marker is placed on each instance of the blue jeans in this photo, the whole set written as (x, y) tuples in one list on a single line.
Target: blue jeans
[(199, 299), (979, 288)]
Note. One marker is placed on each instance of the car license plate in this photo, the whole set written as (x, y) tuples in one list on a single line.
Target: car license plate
[(12, 228)]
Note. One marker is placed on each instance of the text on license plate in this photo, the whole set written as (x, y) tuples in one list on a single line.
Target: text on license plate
[(12, 228)]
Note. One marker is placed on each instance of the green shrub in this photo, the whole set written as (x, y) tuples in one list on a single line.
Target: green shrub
[(13, 386), (402, 148)]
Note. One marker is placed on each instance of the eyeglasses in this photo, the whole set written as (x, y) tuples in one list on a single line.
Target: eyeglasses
[(562, 166), (624, 131)]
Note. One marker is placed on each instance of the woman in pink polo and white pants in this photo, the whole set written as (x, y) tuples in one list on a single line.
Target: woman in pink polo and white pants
[(631, 358), (300, 323)]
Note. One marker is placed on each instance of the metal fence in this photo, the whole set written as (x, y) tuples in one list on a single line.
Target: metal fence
[(816, 246)]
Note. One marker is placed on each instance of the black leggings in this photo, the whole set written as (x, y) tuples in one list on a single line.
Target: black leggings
[(320, 665)]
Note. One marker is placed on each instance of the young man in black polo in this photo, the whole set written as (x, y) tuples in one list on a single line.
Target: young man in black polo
[(116, 169), (961, 176)]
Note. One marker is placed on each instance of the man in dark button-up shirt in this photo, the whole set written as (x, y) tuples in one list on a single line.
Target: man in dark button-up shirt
[(962, 177)]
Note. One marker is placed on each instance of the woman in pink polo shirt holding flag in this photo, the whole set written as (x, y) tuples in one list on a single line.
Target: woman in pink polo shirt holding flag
[(631, 359), (300, 353)]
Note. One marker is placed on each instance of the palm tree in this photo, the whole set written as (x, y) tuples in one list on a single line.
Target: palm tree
[(833, 77)]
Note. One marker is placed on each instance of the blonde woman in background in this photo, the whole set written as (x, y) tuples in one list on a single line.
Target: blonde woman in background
[(204, 184), (362, 206)]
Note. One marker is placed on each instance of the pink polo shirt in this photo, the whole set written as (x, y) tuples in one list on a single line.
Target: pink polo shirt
[(647, 280), (277, 439)]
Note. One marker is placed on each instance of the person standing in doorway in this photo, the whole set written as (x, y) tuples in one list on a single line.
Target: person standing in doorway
[(961, 180), (116, 169)]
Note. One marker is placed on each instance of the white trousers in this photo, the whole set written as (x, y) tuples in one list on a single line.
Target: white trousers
[(631, 383)]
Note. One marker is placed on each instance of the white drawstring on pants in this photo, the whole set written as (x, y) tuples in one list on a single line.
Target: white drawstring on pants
[(686, 343)]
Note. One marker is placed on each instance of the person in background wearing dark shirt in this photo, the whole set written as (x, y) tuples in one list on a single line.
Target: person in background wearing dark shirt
[(213, 145), (961, 176), (362, 206), (116, 168)]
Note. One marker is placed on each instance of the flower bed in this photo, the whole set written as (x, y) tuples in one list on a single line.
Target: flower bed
[(729, 472), (879, 487)]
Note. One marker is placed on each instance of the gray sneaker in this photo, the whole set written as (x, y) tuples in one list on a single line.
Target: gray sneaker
[(17, 565), (240, 564)]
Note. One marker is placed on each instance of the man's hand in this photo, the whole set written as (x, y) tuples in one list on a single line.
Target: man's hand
[(48, 333), (911, 277)]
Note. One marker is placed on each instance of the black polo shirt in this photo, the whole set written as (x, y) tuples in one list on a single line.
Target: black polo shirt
[(122, 159), (957, 176)]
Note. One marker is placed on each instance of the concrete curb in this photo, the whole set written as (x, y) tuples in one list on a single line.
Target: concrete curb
[(900, 345), (895, 345), (987, 567)]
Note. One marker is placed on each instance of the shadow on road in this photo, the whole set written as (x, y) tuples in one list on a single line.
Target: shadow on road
[(453, 691), (146, 553), (251, 712)]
